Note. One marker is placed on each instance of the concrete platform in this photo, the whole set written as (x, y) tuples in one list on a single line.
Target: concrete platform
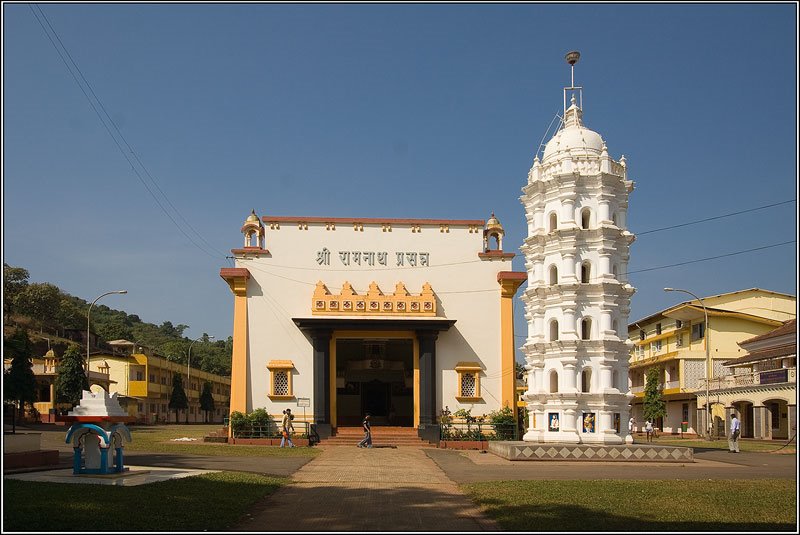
[(136, 475), (536, 451)]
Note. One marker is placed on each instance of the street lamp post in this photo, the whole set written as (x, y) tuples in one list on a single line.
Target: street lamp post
[(188, 368), (708, 357), (88, 315)]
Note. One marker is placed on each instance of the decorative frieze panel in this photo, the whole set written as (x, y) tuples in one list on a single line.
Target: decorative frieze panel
[(374, 302)]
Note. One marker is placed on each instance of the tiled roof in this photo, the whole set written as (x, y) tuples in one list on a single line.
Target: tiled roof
[(764, 354)]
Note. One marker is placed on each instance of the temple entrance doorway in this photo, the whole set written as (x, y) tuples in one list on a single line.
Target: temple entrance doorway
[(375, 376)]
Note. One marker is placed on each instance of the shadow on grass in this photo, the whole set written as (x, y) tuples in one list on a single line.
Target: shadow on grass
[(210, 502), (552, 517), (233, 502)]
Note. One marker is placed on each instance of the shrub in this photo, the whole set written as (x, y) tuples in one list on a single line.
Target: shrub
[(504, 423)]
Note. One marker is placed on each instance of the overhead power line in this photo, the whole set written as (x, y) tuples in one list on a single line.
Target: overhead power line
[(712, 257), (715, 217), (105, 120)]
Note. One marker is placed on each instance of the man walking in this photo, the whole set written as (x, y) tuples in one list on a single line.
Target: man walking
[(733, 440), (367, 441), (287, 428)]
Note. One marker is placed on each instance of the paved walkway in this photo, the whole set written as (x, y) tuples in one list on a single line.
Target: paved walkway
[(352, 489)]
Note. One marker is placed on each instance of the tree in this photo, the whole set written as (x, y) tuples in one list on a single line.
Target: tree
[(178, 399), (71, 378), (19, 383), (207, 399), (39, 301), (654, 406), (14, 281)]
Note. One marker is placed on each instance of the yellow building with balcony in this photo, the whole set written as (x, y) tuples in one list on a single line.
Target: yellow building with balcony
[(674, 341), (762, 386), (144, 385)]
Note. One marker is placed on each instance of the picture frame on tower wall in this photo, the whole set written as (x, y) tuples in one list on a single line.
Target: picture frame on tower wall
[(553, 422), (588, 422)]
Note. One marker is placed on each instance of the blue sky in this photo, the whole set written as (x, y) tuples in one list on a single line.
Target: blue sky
[(429, 111)]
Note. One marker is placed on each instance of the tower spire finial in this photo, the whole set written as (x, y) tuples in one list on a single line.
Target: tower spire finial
[(572, 58)]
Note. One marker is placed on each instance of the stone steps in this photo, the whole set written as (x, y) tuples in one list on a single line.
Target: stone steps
[(381, 436)]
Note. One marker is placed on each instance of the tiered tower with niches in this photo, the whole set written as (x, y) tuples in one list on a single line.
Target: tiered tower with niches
[(578, 297)]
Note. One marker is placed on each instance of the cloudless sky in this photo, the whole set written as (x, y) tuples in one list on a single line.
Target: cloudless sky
[(415, 110)]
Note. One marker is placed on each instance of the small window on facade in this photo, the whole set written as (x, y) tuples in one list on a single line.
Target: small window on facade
[(553, 275), (658, 328), (280, 379), (469, 381), (554, 330), (586, 329), (280, 385), (679, 341), (586, 380), (553, 381), (152, 378), (140, 376), (553, 222), (586, 272), (642, 334), (585, 215), (698, 331), (678, 324)]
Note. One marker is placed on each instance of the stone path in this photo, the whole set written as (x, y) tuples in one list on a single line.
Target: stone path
[(352, 489)]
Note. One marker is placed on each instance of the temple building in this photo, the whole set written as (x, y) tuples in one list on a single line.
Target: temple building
[(578, 297), (337, 317)]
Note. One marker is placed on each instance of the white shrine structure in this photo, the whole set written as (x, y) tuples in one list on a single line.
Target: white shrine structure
[(578, 297)]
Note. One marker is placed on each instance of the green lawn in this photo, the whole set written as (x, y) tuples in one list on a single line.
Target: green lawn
[(159, 439), (209, 502), (636, 505)]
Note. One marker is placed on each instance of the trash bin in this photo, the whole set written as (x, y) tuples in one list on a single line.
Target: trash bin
[(684, 426)]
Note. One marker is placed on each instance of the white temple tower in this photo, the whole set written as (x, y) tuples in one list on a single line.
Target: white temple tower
[(578, 297)]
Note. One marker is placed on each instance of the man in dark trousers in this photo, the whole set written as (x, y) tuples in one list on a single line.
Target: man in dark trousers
[(367, 441)]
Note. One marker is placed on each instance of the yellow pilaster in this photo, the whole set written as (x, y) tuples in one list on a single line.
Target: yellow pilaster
[(237, 280), (509, 283)]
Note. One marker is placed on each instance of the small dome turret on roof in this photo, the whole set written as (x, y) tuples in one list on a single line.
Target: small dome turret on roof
[(252, 218), (494, 223)]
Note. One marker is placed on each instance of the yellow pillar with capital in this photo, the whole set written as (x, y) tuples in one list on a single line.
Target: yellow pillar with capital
[(237, 280), (510, 281)]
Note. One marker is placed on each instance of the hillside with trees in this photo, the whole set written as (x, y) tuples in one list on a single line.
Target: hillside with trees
[(53, 317)]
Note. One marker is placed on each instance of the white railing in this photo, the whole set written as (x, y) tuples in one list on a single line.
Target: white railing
[(671, 384), (777, 376)]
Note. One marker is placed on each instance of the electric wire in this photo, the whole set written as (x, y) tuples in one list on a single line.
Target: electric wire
[(712, 257), (106, 120), (715, 217)]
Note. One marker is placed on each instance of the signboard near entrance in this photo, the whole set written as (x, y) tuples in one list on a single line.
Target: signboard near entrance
[(773, 376), (303, 402)]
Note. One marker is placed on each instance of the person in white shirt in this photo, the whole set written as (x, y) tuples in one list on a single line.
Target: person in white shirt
[(631, 424), (648, 427), (733, 440)]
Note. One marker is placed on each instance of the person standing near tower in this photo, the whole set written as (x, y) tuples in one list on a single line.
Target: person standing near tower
[(733, 440)]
